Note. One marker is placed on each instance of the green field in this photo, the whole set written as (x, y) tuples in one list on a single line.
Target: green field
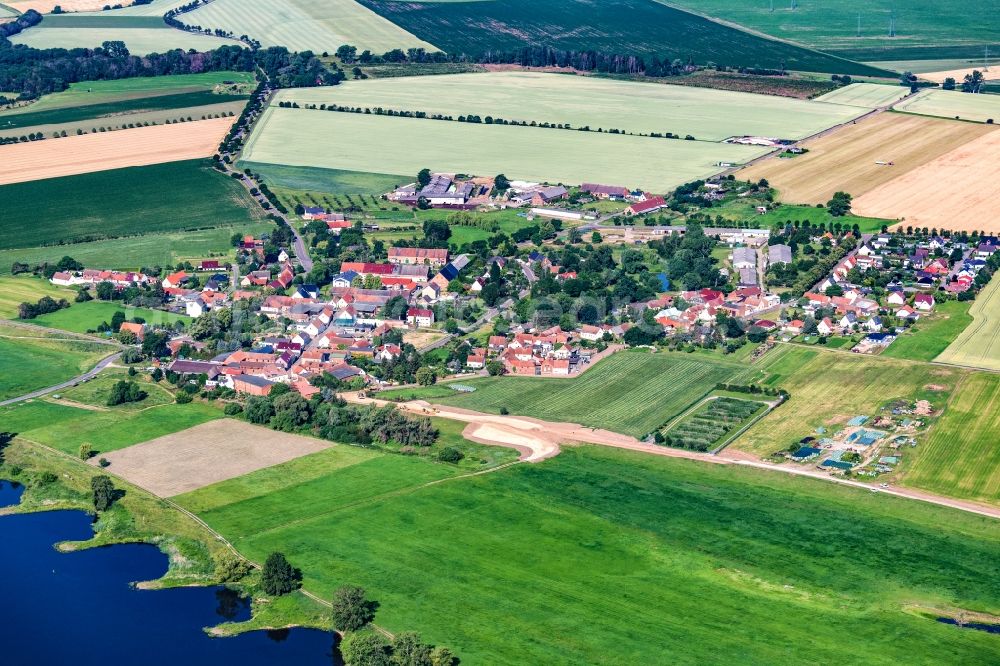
[(953, 104), (86, 93), (932, 334), (305, 25), (120, 111), (15, 290), (612, 557), (96, 391), (28, 363), (139, 40), (711, 423), (633, 392), (122, 202), (978, 345), (788, 213), (83, 317), (830, 387), (833, 24), (65, 428), (961, 457), (134, 252), (382, 144), (629, 27), (865, 95), (706, 114), (333, 181)]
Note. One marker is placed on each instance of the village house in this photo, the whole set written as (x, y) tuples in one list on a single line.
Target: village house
[(649, 205), (420, 317), (615, 192), (417, 255)]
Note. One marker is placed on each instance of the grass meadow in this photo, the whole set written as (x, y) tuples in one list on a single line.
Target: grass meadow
[(629, 27), (382, 144), (833, 25), (830, 387), (978, 345), (121, 202), (614, 557), (134, 252), (632, 392), (83, 317), (331, 181), (932, 334), (29, 363), (705, 113), (17, 289), (953, 104), (960, 457), (88, 93), (65, 428), (306, 25)]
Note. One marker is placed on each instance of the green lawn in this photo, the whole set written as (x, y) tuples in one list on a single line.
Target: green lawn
[(86, 93), (327, 181), (134, 252), (829, 387), (18, 289), (633, 392), (65, 428), (932, 334), (83, 317), (613, 557), (122, 202), (96, 392), (787, 213), (961, 458), (393, 145), (30, 363)]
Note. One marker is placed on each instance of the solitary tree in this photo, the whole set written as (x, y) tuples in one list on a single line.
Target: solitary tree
[(104, 492), (351, 608), (425, 376), (409, 650), (279, 577), (423, 177)]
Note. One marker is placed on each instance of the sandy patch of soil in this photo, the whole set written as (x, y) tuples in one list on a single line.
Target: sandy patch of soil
[(206, 454)]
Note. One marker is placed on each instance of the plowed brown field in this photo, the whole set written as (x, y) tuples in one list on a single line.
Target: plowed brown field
[(71, 155), (959, 190), (845, 159)]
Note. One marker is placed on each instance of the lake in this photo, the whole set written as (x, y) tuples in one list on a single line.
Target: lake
[(81, 608)]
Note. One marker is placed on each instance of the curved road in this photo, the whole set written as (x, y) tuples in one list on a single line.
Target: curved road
[(93, 372)]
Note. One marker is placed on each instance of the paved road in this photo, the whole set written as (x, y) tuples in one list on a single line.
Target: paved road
[(93, 372)]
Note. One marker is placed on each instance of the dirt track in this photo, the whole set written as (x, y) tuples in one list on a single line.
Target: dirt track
[(538, 440), (51, 158)]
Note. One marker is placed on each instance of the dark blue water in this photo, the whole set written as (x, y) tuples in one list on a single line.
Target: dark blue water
[(80, 607), (978, 626), (10, 493)]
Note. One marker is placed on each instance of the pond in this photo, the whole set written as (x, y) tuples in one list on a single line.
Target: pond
[(82, 608)]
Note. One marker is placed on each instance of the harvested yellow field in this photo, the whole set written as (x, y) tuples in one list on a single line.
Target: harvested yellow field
[(959, 190), (51, 158), (959, 74), (847, 158), (46, 6), (978, 346)]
